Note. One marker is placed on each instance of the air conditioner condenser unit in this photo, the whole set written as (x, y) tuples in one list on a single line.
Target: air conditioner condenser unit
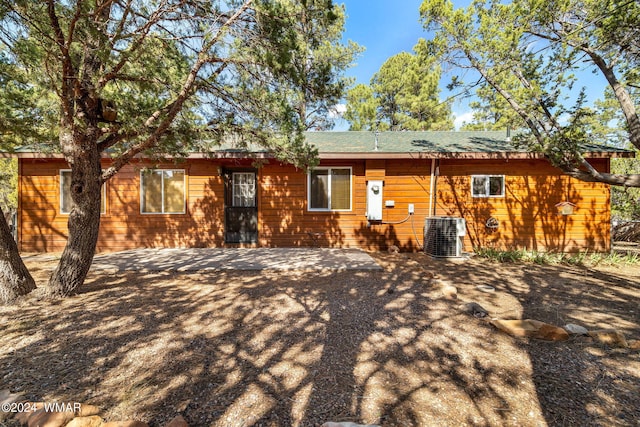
[(444, 236)]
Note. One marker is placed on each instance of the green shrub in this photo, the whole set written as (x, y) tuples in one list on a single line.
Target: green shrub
[(550, 258)]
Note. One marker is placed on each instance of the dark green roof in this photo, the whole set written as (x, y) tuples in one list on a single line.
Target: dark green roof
[(407, 142), (433, 144), (428, 144)]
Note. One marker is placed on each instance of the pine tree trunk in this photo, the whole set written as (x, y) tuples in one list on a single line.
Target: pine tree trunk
[(83, 225), (15, 279)]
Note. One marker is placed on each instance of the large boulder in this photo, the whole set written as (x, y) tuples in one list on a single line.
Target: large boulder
[(125, 424), (531, 329), (42, 418), (346, 424), (87, 410), (88, 421)]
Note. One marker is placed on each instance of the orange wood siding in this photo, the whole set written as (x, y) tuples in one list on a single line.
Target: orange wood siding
[(123, 226), (285, 220), (41, 228), (527, 213)]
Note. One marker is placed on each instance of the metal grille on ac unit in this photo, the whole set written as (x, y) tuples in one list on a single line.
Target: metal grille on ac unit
[(444, 236)]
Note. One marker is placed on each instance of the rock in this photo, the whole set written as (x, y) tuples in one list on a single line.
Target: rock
[(182, 406), (36, 415), (450, 292), (32, 408), (87, 410), (634, 344), (125, 424), (610, 337), (88, 421), (44, 418), (531, 329), (177, 422), (574, 329), (346, 424), (551, 333), (393, 249), (474, 309)]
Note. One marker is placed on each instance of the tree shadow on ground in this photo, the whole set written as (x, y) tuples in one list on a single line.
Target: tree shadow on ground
[(303, 347), (580, 381)]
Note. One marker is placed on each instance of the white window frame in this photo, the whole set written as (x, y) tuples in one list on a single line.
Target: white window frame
[(103, 199), (184, 195), (329, 169), (488, 186)]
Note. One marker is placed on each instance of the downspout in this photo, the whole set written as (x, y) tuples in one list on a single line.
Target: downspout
[(432, 187)]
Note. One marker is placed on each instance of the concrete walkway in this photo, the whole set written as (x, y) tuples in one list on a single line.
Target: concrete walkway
[(251, 259)]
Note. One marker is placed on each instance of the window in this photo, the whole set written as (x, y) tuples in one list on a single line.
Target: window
[(243, 189), (330, 189), (162, 191), (66, 203), (487, 185)]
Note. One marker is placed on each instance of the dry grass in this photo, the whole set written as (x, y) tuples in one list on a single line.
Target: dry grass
[(300, 348)]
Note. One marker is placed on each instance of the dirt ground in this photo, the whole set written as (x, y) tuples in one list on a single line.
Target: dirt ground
[(299, 348)]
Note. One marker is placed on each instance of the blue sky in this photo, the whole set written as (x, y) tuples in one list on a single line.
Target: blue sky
[(385, 28), (388, 27)]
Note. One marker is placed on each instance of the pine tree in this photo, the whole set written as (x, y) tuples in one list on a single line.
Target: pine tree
[(528, 52), (153, 77), (403, 95)]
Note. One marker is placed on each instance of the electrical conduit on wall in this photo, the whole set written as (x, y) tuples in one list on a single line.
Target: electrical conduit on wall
[(432, 187)]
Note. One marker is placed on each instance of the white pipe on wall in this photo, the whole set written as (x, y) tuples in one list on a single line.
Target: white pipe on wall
[(432, 186)]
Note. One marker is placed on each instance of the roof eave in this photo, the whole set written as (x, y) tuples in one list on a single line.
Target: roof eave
[(627, 154), (460, 155), (231, 155), (429, 155), (32, 155), (355, 155)]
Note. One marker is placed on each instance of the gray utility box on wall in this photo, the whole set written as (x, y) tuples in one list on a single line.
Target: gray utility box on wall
[(444, 236), (374, 200)]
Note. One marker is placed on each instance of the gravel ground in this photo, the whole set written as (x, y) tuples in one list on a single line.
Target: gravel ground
[(299, 348)]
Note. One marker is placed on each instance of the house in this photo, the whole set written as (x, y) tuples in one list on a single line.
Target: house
[(370, 191)]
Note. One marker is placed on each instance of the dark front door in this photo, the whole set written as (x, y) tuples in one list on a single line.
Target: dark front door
[(241, 207)]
